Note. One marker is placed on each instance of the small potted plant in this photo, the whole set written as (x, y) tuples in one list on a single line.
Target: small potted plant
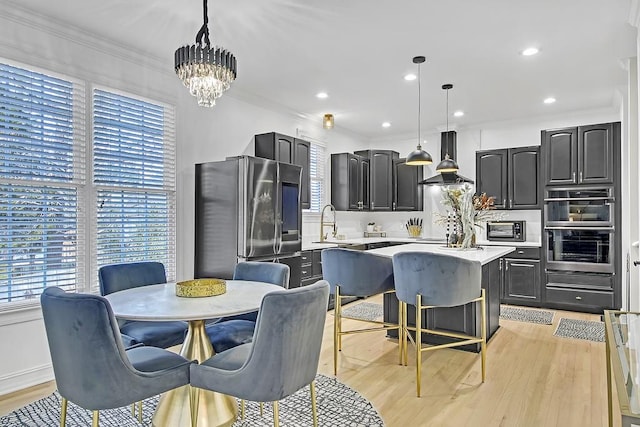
[(371, 227)]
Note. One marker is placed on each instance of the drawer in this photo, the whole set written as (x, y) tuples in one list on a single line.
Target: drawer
[(316, 265), (596, 282), (305, 272), (306, 257), (530, 253), (311, 281), (580, 297)]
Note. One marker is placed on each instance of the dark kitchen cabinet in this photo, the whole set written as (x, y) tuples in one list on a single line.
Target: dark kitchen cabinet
[(580, 155), (521, 277), (350, 182), (511, 176), (288, 149), (381, 175), (407, 193)]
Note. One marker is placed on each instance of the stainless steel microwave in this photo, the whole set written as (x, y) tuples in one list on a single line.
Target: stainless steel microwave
[(506, 231)]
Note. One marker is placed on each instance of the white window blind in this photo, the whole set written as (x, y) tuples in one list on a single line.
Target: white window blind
[(134, 179), (41, 175), (316, 169)]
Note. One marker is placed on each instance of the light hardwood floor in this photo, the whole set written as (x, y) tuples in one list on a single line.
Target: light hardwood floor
[(533, 379)]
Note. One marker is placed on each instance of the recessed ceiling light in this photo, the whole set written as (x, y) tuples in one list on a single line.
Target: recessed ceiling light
[(459, 113), (410, 77), (386, 124), (530, 51), (322, 95), (549, 100)]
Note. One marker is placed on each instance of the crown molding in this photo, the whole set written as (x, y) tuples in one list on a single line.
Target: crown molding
[(634, 13)]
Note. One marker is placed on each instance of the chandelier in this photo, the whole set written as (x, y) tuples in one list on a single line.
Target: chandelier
[(207, 71)]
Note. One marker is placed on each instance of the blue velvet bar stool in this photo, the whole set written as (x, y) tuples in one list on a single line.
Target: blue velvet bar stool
[(232, 331), (429, 280), (283, 356), (118, 277), (356, 274), (92, 369)]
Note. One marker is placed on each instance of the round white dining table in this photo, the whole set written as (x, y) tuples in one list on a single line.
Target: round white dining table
[(159, 303)]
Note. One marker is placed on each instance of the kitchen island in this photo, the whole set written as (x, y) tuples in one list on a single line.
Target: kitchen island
[(465, 319)]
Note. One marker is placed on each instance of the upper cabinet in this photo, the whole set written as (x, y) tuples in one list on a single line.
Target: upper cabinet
[(580, 155), (407, 193), (349, 182), (511, 176), (284, 148), (380, 178)]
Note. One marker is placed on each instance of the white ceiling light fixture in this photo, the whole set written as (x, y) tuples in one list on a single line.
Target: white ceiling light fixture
[(207, 71), (386, 124), (549, 100), (322, 95), (419, 157), (447, 164), (530, 51), (458, 113), (410, 77)]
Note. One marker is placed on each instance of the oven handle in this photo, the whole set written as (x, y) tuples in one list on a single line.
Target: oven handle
[(579, 199), (611, 228)]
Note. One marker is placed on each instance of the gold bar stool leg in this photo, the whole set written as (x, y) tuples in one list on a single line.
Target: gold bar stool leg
[(140, 411), (133, 410), (418, 343), (276, 414), (242, 409), (261, 408), (483, 329), (314, 408), (336, 328), (96, 419), (400, 329), (194, 401), (63, 412)]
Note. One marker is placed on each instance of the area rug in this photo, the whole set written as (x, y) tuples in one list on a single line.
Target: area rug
[(542, 317), (338, 405), (580, 329), (364, 311)]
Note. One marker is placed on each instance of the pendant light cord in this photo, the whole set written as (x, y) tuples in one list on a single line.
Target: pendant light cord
[(419, 133), (204, 30)]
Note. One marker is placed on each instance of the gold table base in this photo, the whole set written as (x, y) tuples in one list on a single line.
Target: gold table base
[(214, 409)]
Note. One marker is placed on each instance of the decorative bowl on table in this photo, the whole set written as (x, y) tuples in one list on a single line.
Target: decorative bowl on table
[(197, 288)]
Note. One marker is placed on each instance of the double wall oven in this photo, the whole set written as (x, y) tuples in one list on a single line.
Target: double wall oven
[(580, 229)]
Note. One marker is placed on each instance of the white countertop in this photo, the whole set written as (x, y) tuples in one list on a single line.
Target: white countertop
[(332, 243), (484, 255)]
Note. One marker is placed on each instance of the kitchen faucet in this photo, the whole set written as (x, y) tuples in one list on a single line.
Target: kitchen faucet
[(323, 224)]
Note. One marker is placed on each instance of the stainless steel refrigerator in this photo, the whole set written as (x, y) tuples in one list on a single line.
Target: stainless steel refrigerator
[(247, 209)]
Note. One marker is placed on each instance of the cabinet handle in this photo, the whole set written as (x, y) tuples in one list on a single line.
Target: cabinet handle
[(578, 298), (580, 176), (510, 203), (504, 202), (521, 265), (506, 266), (500, 266), (520, 252), (372, 206), (573, 177), (394, 206)]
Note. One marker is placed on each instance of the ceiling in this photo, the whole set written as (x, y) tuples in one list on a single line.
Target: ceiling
[(359, 50)]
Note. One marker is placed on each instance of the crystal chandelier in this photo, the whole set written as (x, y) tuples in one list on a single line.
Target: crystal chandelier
[(207, 71)]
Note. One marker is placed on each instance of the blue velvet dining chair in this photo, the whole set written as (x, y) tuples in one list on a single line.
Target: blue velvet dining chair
[(283, 356), (91, 366), (354, 273), (118, 277), (232, 331), (429, 280)]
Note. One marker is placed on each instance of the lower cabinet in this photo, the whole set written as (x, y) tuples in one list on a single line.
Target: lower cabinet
[(522, 277), (311, 270), (465, 319), (590, 292)]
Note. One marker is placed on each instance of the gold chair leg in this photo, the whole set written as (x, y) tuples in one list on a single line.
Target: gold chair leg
[(242, 405), (133, 409), (418, 343), (314, 408), (140, 411), (194, 402), (63, 412), (261, 408), (336, 329), (96, 419), (483, 329), (400, 331), (276, 415)]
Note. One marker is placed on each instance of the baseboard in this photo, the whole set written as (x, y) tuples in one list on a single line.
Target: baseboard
[(27, 378)]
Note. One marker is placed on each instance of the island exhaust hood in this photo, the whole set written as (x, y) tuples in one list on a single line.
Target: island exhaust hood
[(447, 145)]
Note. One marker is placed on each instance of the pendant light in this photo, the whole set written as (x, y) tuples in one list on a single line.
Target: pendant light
[(419, 157), (327, 121), (447, 164)]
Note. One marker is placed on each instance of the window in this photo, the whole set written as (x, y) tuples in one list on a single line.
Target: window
[(317, 169), (41, 177), (134, 178), (44, 226)]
